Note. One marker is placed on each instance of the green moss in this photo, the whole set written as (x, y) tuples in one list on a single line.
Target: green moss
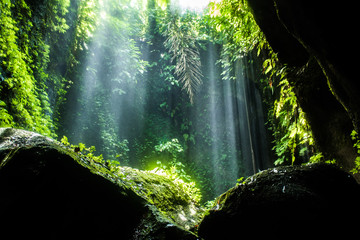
[(157, 189), (161, 192), (175, 199)]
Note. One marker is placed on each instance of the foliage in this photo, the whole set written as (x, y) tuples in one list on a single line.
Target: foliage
[(87, 152), (100, 73), (172, 168), (180, 179), (181, 42), (237, 30), (39, 51), (172, 164), (20, 104), (291, 131), (235, 24), (172, 147), (111, 74), (175, 174), (105, 75), (356, 139), (293, 140), (47, 54)]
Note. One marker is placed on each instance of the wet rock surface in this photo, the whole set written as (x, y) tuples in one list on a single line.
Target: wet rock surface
[(311, 200), (50, 192)]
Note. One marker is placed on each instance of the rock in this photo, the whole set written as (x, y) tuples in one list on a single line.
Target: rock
[(49, 191), (313, 44), (311, 200)]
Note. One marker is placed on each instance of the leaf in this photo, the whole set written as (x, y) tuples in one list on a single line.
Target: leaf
[(181, 45), (82, 146), (64, 140), (163, 104), (269, 68), (2, 104), (119, 91)]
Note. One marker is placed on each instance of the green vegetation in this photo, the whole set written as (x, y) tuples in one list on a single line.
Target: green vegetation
[(292, 136), (22, 104), (175, 173), (140, 81), (181, 42), (87, 152), (356, 139), (234, 26), (165, 188)]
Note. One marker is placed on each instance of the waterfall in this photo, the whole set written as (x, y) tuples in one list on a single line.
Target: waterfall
[(229, 109), (253, 134), (127, 100)]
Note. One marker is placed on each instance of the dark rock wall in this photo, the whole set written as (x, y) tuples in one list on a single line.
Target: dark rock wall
[(316, 39)]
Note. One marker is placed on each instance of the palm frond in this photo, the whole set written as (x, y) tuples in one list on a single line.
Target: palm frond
[(182, 46)]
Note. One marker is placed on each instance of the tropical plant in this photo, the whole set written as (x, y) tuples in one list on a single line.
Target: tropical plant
[(356, 139), (182, 44), (293, 137), (19, 96), (171, 147), (235, 27), (87, 152)]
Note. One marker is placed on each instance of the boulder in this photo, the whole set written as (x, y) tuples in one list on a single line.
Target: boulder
[(301, 201), (49, 191)]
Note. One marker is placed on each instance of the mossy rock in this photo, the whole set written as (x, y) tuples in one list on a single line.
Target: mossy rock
[(50, 191), (161, 192), (316, 200)]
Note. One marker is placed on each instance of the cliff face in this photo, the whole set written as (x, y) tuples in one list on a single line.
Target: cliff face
[(317, 41)]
